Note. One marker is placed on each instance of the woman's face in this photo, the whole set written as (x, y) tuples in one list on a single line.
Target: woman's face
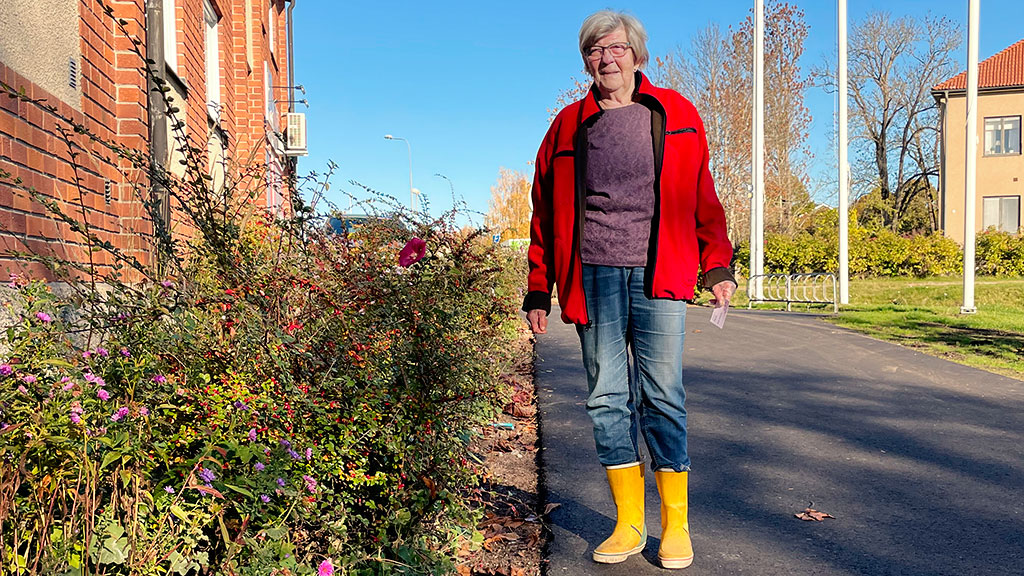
[(613, 75)]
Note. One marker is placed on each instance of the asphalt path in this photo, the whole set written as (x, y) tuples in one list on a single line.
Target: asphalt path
[(920, 460)]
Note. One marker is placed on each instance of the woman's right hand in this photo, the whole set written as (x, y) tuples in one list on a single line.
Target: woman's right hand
[(538, 320)]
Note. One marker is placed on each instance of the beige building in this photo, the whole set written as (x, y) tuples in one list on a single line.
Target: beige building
[(1000, 168)]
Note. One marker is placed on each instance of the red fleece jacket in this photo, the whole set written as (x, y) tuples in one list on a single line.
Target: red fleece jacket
[(688, 229)]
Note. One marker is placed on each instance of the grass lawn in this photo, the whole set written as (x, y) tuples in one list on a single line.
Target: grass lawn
[(924, 313)]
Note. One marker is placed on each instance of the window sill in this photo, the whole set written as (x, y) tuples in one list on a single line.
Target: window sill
[(176, 82)]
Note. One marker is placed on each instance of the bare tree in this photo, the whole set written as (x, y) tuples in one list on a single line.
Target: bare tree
[(706, 76), (893, 64), (569, 95), (716, 75)]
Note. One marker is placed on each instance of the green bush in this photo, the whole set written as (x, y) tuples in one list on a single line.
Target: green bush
[(882, 252), (1000, 253)]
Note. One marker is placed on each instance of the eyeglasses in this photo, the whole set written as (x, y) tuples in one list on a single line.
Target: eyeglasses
[(618, 50)]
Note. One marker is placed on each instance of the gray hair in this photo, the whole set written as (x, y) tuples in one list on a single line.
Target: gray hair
[(600, 24)]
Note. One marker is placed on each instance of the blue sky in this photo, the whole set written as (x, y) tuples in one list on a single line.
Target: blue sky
[(469, 83)]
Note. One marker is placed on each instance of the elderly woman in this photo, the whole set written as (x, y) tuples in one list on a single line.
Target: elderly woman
[(625, 212)]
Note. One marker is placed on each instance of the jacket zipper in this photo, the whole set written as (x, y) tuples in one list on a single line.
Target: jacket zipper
[(658, 123), (580, 177)]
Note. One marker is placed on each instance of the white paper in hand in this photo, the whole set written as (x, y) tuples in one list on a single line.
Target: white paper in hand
[(718, 314)]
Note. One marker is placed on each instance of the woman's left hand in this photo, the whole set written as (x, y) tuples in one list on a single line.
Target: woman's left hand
[(723, 292)]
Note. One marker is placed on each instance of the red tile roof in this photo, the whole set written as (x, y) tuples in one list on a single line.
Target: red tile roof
[(1003, 69)]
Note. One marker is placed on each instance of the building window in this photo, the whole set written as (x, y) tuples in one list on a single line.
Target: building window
[(1002, 212), (1002, 136), (170, 35), (212, 61), (271, 25)]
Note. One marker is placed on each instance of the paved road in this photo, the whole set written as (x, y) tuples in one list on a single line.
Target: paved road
[(920, 460)]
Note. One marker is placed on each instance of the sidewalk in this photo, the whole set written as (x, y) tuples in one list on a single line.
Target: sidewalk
[(920, 460)]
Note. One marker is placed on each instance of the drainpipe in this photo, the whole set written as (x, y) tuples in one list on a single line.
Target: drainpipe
[(158, 157), (293, 161), (291, 60)]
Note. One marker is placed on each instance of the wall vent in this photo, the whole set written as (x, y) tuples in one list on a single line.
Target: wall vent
[(107, 191), (73, 70)]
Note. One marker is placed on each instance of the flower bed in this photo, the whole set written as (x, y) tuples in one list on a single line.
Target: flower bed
[(299, 404)]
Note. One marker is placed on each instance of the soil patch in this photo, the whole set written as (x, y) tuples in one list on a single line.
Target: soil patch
[(512, 528)]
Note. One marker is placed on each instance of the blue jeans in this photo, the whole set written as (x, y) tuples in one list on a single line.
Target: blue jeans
[(645, 395)]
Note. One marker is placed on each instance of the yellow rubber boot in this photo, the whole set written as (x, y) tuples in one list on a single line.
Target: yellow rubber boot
[(630, 534), (676, 550)]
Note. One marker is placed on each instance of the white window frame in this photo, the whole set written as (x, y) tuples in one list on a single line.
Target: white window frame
[(998, 126), (271, 13), (212, 60), (993, 213), (170, 35)]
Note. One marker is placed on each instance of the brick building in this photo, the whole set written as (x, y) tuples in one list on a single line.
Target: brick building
[(226, 63)]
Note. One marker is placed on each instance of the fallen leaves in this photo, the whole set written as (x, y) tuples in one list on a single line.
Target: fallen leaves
[(812, 515)]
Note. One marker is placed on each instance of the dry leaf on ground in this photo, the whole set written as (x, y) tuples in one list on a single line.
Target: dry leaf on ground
[(810, 514)]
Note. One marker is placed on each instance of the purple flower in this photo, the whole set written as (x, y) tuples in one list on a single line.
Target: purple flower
[(326, 568), (252, 435), (264, 498), (259, 467), (125, 352), (281, 482), (414, 249), (294, 454), (6, 370), (121, 413), (76, 418), (103, 352), (44, 317), (28, 379), (167, 283), (169, 489), (160, 379), (86, 354), (309, 453), (310, 483), (285, 444), (22, 389), (103, 395), (207, 475)]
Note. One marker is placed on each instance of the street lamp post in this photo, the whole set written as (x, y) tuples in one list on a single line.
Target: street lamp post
[(412, 191)]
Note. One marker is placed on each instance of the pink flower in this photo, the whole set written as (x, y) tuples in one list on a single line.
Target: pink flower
[(22, 389), (159, 379), (103, 395), (414, 249), (44, 317), (143, 411), (28, 379), (326, 568), (310, 483), (6, 370)]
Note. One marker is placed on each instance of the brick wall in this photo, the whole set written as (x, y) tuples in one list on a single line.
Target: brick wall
[(98, 186)]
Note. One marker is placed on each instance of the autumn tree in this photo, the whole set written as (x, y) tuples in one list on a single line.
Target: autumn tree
[(566, 96), (509, 209), (703, 76), (893, 63), (716, 74)]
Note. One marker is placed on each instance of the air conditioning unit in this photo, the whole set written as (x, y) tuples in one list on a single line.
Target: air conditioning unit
[(295, 134)]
